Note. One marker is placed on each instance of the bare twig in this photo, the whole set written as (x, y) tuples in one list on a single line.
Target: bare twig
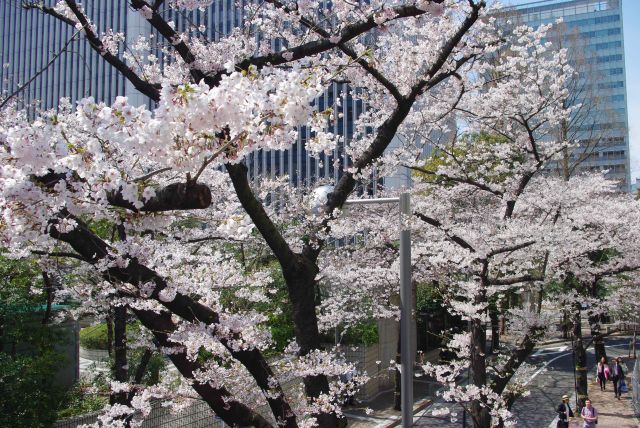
[(42, 70)]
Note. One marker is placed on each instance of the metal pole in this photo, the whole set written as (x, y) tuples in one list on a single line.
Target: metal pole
[(575, 379), (406, 307), (406, 303)]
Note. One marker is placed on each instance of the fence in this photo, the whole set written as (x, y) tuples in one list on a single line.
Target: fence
[(198, 415), (635, 381)]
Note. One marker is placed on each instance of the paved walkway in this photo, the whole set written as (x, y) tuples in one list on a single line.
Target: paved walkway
[(612, 413), (383, 415), (547, 386)]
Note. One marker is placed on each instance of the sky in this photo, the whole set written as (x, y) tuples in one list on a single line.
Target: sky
[(631, 24)]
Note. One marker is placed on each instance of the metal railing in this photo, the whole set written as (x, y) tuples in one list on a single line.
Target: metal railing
[(199, 415), (635, 384)]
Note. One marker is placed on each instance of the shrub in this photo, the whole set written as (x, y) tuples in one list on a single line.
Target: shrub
[(82, 399), (95, 336), (29, 396)]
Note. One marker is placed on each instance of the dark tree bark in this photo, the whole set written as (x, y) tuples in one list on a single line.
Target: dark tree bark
[(580, 356), (478, 358), (598, 338), (495, 328), (50, 292), (479, 412), (176, 196), (109, 322), (120, 371)]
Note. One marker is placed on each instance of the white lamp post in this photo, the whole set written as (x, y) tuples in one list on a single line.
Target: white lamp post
[(406, 303)]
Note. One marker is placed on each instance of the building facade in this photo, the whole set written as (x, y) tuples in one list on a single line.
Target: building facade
[(31, 39), (592, 31)]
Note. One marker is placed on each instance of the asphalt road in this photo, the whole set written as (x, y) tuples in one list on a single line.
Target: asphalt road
[(552, 378)]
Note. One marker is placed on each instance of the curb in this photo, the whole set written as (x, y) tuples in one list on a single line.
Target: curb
[(416, 408)]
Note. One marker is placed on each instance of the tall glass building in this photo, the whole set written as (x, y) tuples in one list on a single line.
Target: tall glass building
[(31, 39), (591, 30)]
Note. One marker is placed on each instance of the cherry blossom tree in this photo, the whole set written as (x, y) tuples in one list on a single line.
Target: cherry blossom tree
[(491, 222), (155, 209), (175, 176)]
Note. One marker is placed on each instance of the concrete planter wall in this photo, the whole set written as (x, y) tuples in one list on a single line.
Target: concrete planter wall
[(366, 358)]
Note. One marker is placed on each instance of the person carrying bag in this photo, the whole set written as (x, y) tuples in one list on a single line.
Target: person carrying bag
[(564, 413)]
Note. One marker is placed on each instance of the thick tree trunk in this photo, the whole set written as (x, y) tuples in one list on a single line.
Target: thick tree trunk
[(580, 357), (49, 290), (120, 352), (598, 338), (565, 326), (495, 329), (479, 413), (301, 285), (109, 322)]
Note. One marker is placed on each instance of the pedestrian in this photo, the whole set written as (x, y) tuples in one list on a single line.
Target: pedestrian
[(564, 413), (589, 415), (602, 373), (617, 376)]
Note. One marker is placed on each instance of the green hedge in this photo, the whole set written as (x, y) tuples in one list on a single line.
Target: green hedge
[(95, 337)]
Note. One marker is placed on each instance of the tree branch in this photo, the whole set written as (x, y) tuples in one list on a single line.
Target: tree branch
[(150, 90), (514, 279), (255, 209), (42, 70), (175, 196), (510, 248), (465, 180), (94, 250), (219, 399), (514, 362), (453, 238)]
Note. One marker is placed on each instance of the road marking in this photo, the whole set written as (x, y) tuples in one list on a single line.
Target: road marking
[(544, 366), (550, 350)]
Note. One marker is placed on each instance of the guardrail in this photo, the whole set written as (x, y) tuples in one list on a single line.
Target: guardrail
[(635, 382), (198, 415)]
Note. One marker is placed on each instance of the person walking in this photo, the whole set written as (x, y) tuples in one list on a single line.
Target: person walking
[(564, 413), (589, 415), (602, 373), (617, 376)]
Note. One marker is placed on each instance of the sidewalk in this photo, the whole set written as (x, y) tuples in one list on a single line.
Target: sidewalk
[(383, 415), (612, 413)]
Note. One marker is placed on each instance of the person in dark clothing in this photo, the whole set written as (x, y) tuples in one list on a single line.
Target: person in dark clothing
[(617, 374), (564, 413)]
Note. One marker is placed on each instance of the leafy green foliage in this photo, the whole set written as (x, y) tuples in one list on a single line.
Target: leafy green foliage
[(83, 399), (428, 297), (364, 333), (29, 396), (473, 153), (96, 336)]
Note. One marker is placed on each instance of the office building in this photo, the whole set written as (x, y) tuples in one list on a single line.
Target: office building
[(592, 31), (30, 39)]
